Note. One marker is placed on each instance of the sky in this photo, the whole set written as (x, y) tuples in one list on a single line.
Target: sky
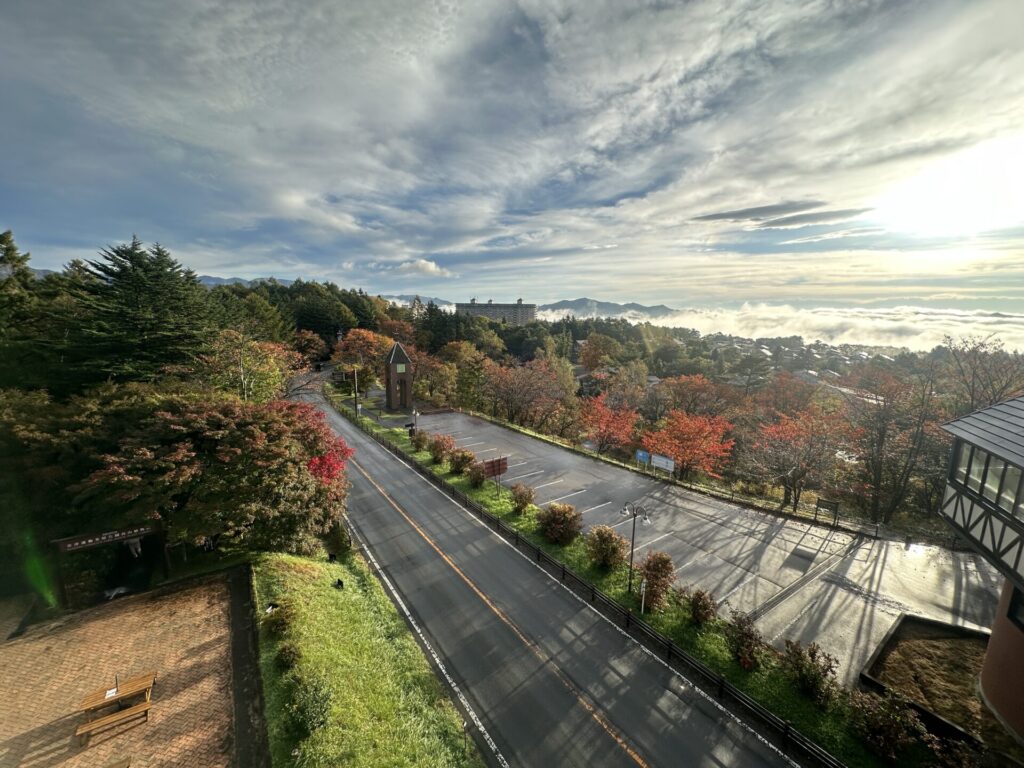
[(824, 167)]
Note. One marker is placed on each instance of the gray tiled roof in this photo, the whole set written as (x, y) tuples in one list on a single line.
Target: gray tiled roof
[(998, 429), (398, 355)]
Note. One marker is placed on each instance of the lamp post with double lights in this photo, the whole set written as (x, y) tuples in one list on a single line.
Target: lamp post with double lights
[(634, 510)]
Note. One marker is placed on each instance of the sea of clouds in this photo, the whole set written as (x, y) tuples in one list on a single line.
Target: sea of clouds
[(917, 328)]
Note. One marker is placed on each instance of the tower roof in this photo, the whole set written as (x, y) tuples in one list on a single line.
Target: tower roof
[(398, 355), (999, 429)]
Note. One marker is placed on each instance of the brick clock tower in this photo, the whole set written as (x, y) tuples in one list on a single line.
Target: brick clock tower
[(398, 379), (984, 502)]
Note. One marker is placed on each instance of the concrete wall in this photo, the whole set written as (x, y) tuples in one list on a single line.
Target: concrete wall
[(1002, 676)]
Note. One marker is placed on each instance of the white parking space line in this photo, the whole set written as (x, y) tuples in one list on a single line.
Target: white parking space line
[(486, 450), (574, 493), (521, 463), (627, 520), (738, 587), (593, 508), (646, 543), (528, 474), (545, 485), (470, 445), (694, 560)]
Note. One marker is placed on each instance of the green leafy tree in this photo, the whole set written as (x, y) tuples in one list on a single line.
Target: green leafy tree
[(145, 314), (255, 371)]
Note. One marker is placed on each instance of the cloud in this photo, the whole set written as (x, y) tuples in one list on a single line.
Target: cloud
[(760, 212), (513, 143), (422, 267)]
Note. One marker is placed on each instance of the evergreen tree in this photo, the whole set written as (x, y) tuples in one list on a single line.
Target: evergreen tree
[(147, 314)]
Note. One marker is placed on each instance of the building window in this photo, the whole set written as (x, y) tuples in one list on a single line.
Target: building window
[(400, 367), (1016, 612), (993, 477), (1010, 497), (977, 469), (963, 458)]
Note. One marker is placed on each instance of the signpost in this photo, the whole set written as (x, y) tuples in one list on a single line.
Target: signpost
[(643, 595), (663, 462), (496, 468), (643, 457)]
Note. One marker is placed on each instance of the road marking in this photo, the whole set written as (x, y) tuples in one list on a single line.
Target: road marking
[(652, 541), (584, 605), (470, 445), (521, 463), (739, 586), (485, 450), (693, 560), (628, 519), (537, 651), (545, 485), (593, 508), (528, 474), (430, 649), (574, 493), (796, 618)]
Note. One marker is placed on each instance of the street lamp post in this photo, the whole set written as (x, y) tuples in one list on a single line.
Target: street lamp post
[(634, 510)]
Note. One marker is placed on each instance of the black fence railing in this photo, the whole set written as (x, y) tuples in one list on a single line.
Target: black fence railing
[(779, 732)]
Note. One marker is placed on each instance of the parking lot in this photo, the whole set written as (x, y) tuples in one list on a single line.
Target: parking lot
[(799, 580)]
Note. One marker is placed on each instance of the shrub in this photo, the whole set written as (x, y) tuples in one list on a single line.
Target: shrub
[(310, 706), (287, 657), (420, 440), (605, 547), (522, 498), (744, 639), (278, 621), (459, 460), (658, 570), (440, 447), (813, 671), (560, 523), (337, 541), (886, 724), (703, 607), (477, 475)]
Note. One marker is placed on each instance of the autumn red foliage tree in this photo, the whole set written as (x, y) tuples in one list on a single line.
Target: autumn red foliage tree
[(608, 427), (797, 450), (364, 352), (264, 476), (695, 443)]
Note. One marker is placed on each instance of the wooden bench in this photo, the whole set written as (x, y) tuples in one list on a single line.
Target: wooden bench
[(85, 730)]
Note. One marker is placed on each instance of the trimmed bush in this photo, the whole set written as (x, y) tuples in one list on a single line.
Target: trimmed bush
[(337, 541), (560, 523), (605, 548), (660, 573), (420, 440), (886, 724), (440, 447), (310, 707), (813, 671), (522, 498), (287, 657), (703, 607), (459, 460), (745, 641), (278, 621), (477, 476)]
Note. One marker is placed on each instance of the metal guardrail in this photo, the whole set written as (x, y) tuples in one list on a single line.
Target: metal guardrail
[(779, 732)]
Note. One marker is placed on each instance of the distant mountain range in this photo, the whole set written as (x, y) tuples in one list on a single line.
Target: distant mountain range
[(587, 308), (582, 308)]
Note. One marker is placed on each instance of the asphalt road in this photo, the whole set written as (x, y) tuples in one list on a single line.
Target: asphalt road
[(800, 581), (551, 682)]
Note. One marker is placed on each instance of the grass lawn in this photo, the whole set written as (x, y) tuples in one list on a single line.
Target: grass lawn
[(383, 706), (768, 684)]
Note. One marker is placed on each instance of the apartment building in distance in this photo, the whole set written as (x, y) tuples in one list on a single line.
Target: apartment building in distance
[(513, 314)]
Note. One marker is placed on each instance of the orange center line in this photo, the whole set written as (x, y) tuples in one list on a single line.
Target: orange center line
[(594, 713)]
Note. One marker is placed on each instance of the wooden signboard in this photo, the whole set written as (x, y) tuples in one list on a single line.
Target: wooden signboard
[(496, 467)]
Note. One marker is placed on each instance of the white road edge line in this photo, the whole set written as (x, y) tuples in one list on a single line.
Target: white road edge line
[(430, 649), (545, 485), (647, 543), (574, 493), (593, 508), (697, 690), (528, 474)]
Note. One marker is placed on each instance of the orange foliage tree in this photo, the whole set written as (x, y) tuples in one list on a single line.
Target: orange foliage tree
[(608, 427), (696, 443)]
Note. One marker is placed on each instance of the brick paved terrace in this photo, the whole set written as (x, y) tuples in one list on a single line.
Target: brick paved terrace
[(183, 636)]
